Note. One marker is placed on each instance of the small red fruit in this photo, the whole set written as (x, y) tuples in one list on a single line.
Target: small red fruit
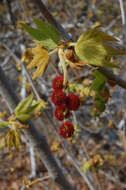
[(66, 130), (61, 112), (59, 97), (58, 82), (73, 101)]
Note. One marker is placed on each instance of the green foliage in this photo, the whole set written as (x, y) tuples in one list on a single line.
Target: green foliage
[(99, 81), (29, 108), (45, 33), (96, 48), (87, 166), (101, 92), (13, 138), (3, 124), (48, 30), (93, 163), (40, 61)]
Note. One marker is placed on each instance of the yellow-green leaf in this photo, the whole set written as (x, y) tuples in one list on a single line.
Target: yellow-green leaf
[(23, 106), (40, 61), (24, 117), (29, 108), (97, 48), (4, 124)]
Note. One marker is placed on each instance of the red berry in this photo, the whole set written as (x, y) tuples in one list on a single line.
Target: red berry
[(59, 97), (73, 101), (66, 130), (61, 112), (58, 82)]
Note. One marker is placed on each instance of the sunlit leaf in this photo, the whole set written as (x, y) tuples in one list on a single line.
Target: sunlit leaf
[(3, 124), (2, 143), (86, 166), (29, 108), (40, 61), (97, 48), (24, 105), (45, 33), (13, 139), (93, 163)]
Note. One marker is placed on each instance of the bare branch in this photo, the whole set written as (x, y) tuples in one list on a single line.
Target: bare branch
[(123, 16)]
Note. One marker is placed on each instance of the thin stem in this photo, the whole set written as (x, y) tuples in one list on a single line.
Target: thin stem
[(123, 15), (24, 67)]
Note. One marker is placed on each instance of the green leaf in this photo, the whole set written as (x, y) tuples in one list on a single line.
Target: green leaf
[(35, 33), (100, 105), (28, 108), (97, 48), (99, 81), (24, 105), (45, 33), (48, 30), (4, 124), (24, 117)]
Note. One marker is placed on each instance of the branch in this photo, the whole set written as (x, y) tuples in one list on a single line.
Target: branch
[(107, 72), (11, 13), (36, 137), (51, 19), (110, 75), (123, 16)]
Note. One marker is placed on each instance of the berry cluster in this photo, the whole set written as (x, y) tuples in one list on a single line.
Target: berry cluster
[(65, 103)]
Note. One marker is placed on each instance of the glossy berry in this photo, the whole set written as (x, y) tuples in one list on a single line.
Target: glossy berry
[(73, 102), (58, 82), (66, 130), (62, 112), (59, 97)]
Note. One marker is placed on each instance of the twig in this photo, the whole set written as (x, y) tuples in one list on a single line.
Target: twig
[(123, 16), (11, 13), (114, 179), (73, 160), (23, 66), (34, 182), (110, 75), (31, 146), (32, 159), (51, 19)]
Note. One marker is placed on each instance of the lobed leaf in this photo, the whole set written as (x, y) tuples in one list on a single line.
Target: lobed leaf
[(45, 33), (40, 61), (48, 30), (97, 48)]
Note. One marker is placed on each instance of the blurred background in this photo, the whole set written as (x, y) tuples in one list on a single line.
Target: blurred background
[(104, 136)]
